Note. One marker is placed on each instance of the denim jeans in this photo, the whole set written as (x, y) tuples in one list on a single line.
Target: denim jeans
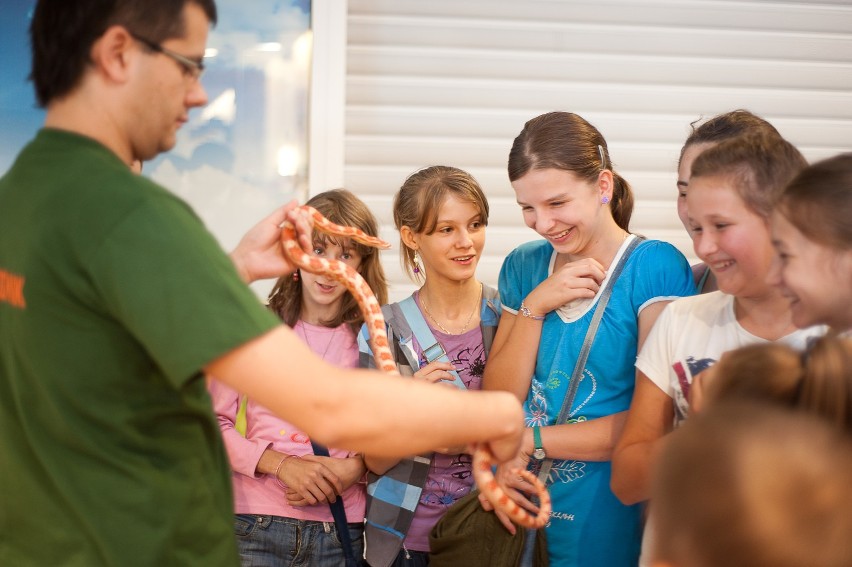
[(274, 541)]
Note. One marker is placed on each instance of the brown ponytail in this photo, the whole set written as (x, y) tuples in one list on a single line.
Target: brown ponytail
[(817, 381)]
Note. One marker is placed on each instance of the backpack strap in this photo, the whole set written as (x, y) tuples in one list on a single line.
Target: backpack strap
[(424, 336), (580, 365)]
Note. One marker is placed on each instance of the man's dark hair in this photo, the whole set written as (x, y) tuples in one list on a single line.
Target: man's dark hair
[(62, 33)]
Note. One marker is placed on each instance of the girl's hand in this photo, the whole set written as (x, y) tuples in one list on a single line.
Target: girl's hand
[(515, 487), (310, 479), (580, 279), (349, 470), (435, 372)]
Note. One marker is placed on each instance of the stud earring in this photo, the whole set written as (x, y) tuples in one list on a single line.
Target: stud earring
[(604, 199)]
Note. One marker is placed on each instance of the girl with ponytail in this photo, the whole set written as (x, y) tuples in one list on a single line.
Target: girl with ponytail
[(571, 195), (817, 381)]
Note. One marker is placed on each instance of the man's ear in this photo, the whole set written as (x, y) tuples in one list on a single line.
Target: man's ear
[(113, 52)]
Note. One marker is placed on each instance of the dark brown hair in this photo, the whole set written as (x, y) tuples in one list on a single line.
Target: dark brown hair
[(565, 141), (344, 208), (818, 202), (758, 164), (724, 127), (62, 33), (417, 203)]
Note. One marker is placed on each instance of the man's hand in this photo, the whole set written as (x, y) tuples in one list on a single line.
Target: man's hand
[(259, 255)]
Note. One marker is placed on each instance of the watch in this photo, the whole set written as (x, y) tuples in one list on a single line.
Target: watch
[(538, 453), (525, 311)]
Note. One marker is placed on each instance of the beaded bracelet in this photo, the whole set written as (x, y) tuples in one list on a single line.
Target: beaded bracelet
[(278, 470)]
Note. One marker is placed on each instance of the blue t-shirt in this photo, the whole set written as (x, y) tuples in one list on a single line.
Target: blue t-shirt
[(589, 525)]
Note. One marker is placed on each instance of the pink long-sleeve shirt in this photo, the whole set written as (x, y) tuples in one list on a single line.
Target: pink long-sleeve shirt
[(259, 493)]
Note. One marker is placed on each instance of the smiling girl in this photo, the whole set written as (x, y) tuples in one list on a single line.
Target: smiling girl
[(441, 214), (282, 489), (812, 232), (569, 194), (725, 126), (731, 193)]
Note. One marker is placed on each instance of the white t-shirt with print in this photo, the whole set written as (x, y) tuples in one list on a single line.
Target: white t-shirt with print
[(690, 335)]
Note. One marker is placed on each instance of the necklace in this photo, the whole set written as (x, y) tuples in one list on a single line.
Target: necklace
[(312, 347), (466, 323)]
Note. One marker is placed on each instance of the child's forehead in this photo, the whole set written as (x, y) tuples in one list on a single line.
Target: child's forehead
[(325, 240), (714, 187)]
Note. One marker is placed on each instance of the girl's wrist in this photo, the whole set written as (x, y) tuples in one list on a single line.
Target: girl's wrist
[(279, 468), (530, 312), (527, 443)]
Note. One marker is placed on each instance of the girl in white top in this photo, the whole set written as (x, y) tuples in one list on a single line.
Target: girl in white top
[(722, 127), (731, 192)]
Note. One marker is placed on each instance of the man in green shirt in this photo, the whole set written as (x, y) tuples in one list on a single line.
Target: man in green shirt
[(115, 301)]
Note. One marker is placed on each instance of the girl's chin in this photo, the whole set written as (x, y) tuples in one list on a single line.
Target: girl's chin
[(801, 317)]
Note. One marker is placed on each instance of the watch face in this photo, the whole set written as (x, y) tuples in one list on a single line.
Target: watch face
[(539, 453)]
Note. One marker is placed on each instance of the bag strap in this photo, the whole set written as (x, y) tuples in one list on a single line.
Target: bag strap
[(338, 512), (580, 366), (424, 337)]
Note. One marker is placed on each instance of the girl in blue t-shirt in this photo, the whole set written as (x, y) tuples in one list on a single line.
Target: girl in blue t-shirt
[(563, 178)]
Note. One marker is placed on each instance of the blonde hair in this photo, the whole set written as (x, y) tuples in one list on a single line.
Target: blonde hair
[(417, 203), (344, 208), (752, 485)]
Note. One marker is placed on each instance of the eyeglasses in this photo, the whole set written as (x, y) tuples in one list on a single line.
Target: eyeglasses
[(190, 67)]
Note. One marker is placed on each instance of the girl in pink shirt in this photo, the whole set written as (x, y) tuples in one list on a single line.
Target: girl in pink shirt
[(282, 489)]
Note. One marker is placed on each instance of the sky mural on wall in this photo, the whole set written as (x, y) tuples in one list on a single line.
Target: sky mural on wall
[(239, 157)]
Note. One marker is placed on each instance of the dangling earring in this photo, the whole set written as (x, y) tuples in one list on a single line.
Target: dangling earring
[(296, 276), (416, 268), (604, 199)]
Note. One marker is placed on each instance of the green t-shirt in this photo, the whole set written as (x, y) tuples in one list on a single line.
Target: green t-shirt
[(113, 296)]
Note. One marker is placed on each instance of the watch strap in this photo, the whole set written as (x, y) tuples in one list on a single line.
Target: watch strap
[(538, 448)]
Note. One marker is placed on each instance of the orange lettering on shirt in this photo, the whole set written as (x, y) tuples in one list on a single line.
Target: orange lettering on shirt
[(12, 289)]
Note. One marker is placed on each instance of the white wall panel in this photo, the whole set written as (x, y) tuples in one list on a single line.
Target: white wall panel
[(453, 82)]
